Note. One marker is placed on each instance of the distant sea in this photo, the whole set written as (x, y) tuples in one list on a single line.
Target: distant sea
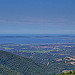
[(36, 38)]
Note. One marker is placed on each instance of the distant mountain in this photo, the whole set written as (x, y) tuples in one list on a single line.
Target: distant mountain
[(35, 36), (12, 63)]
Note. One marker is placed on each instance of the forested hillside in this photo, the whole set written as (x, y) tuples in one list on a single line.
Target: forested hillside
[(21, 65), (7, 71)]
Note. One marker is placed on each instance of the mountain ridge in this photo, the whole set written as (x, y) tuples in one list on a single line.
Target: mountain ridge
[(23, 65)]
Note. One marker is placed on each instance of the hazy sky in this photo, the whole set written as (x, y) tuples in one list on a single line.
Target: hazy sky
[(37, 16)]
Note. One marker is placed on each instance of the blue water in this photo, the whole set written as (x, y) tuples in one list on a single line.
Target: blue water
[(33, 39)]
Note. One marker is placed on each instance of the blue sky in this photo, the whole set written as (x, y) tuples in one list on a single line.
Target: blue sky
[(37, 16)]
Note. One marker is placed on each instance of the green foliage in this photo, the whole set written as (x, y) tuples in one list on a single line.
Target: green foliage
[(7, 71), (21, 65), (68, 73)]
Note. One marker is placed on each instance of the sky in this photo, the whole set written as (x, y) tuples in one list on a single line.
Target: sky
[(37, 16)]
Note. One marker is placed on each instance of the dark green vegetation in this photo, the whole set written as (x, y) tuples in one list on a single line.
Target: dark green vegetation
[(68, 73), (7, 71), (11, 64)]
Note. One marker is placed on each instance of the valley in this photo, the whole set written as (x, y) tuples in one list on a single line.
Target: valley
[(57, 56)]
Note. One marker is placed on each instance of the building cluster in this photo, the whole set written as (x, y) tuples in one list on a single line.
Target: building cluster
[(69, 60)]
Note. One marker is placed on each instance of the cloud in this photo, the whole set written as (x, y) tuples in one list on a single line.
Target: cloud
[(3, 21), (62, 19), (32, 20)]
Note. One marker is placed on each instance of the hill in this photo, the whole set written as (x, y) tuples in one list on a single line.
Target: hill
[(7, 71), (21, 65)]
